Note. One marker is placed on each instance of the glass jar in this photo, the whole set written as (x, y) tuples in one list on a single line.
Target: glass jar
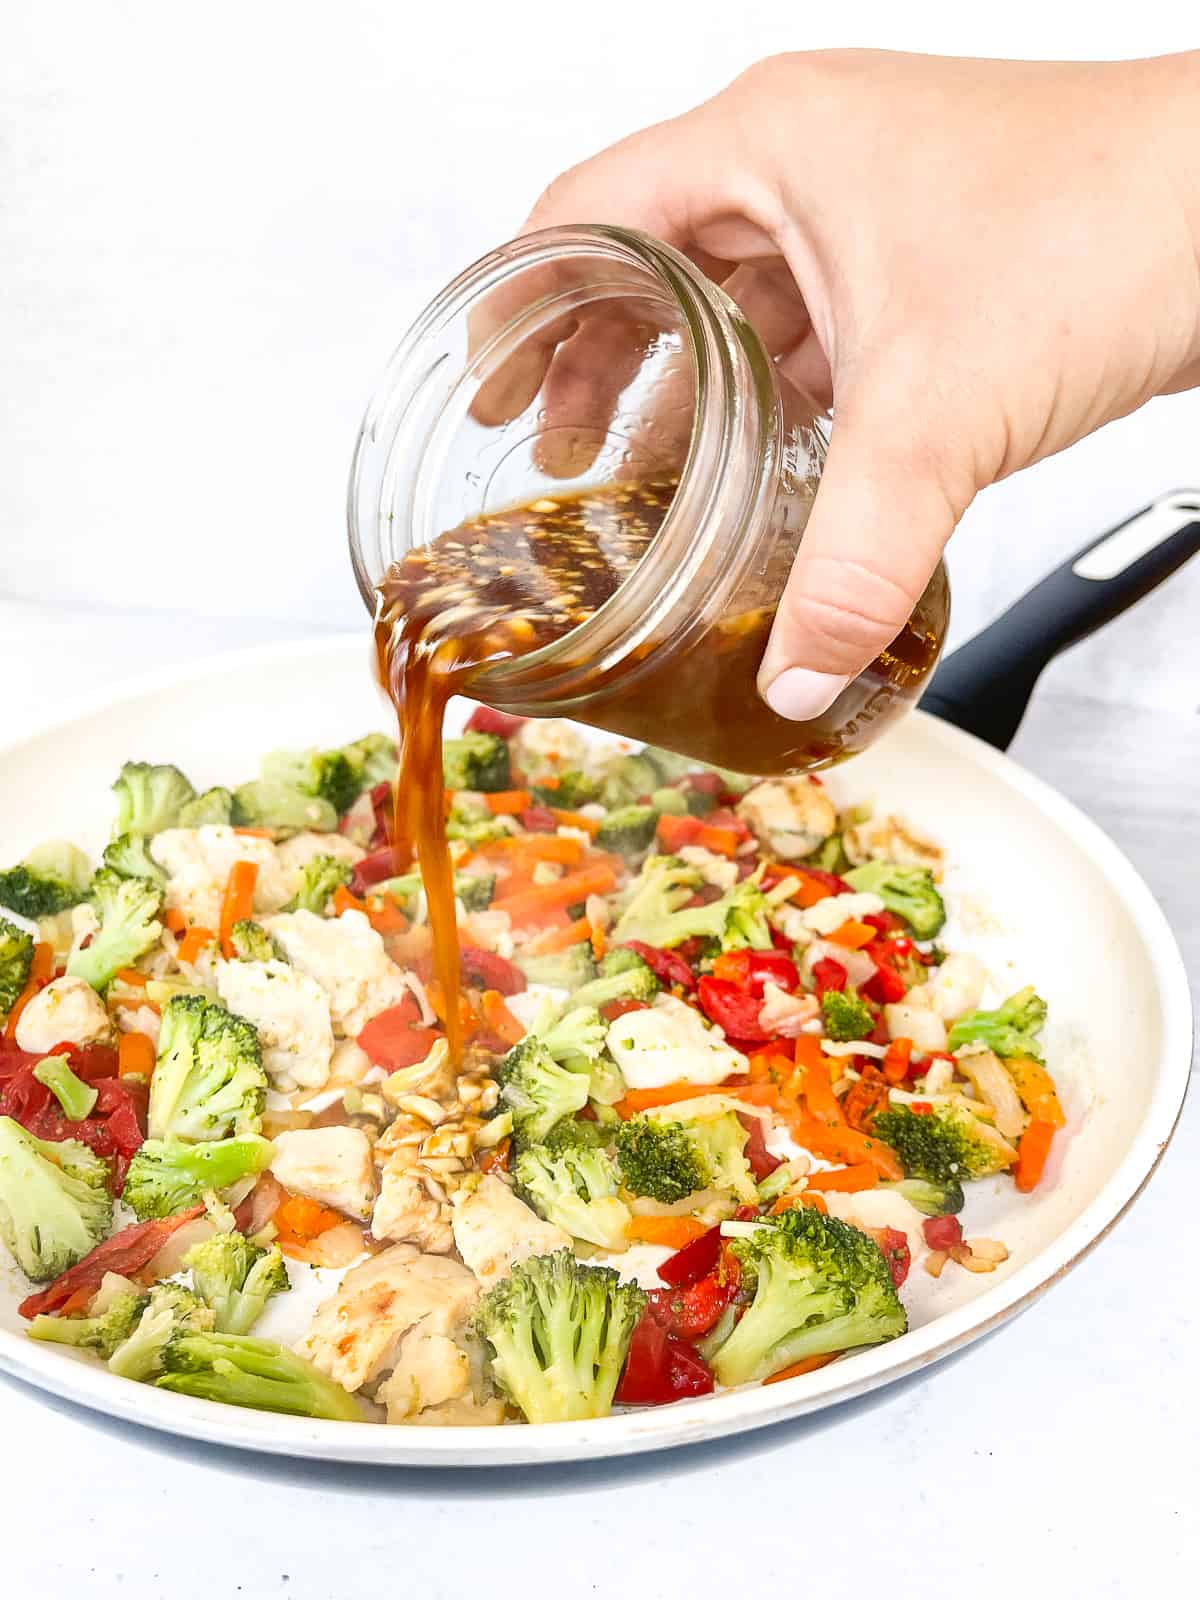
[(585, 356)]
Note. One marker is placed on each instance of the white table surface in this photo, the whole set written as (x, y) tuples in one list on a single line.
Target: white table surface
[(1057, 1458)]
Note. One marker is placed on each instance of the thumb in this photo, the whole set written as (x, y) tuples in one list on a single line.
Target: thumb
[(879, 523)]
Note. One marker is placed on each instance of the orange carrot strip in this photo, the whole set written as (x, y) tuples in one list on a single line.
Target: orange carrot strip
[(499, 1018), (1036, 1089), (508, 802), (575, 819), (560, 937), (896, 1060), (175, 920), (844, 1144), (343, 900), (530, 848), (238, 902), (566, 891), (385, 916), (194, 943), (256, 833), (135, 1056), (818, 1093), (131, 978), (675, 832), (853, 935), (845, 1180), (636, 1100), (674, 1232), (496, 1160), (599, 943), (810, 891), (799, 1368), (299, 1220), (721, 841), (41, 970), (1031, 1154)]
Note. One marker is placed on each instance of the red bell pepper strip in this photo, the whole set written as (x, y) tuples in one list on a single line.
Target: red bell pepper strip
[(691, 1311), (114, 1128), (694, 1261), (754, 969), (621, 1008), (942, 1233), (668, 966), (392, 1040), (829, 975), (126, 1253), (373, 869), (829, 880), (762, 1162), (484, 720), (733, 1008), (896, 1253), (539, 819), (659, 1367)]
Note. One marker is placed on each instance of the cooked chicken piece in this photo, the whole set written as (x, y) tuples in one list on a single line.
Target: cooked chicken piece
[(197, 862), (405, 1210), (431, 1368), (891, 839), (347, 958), (907, 1019), (356, 1333), (792, 816), (291, 1013), (330, 1165), (466, 1412), (493, 1230), (66, 1011), (301, 848)]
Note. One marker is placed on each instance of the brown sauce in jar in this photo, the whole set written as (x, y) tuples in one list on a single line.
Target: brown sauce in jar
[(508, 583)]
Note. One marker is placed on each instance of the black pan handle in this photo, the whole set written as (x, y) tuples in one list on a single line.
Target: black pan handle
[(984, 686)]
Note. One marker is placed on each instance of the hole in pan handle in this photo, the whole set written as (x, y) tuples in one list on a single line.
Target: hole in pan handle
[(984, 686)]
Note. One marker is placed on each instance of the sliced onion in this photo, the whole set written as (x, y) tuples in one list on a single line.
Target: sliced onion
[(169, 1259), (853, 1047)]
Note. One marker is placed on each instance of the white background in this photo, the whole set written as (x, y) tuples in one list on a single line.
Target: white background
[(214, 223)]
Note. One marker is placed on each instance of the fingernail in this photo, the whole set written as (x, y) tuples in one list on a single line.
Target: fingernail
[(799, 695)]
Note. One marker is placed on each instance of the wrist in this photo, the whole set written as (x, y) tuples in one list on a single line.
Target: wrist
[(1169, 89)]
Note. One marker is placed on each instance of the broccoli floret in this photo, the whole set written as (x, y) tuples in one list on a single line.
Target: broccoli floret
[(55, 1204), (474, 889), (1010, 1030), (252, 942), (628, 831), (830, 856), (945, 1144), (627, 781), (934, 1199), (236, 1279), (473, 827), (102, 1334), (846, 1016), (576, 1039), (819, 1286), (213, 808), (571, 790), (266, 803), (563, 969), (374, 758), (672, 802), (74, 1096), (577, 1133), (629, 982), (51, 879), (149, 798), (129, 857), (320, 878), (557, 1333), (657, 912), (477, 761), (238, 1370), (676, 1150), (538, 1091), (327, 775), (167, 1175), (16, 958), (577, 1189), (209, 1081), (128, 910), (908, 891), (169, 1309)]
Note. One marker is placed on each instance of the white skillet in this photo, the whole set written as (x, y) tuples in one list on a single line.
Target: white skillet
[(1036, 889)]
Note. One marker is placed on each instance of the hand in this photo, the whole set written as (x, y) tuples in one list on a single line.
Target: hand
[(975, 262)]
